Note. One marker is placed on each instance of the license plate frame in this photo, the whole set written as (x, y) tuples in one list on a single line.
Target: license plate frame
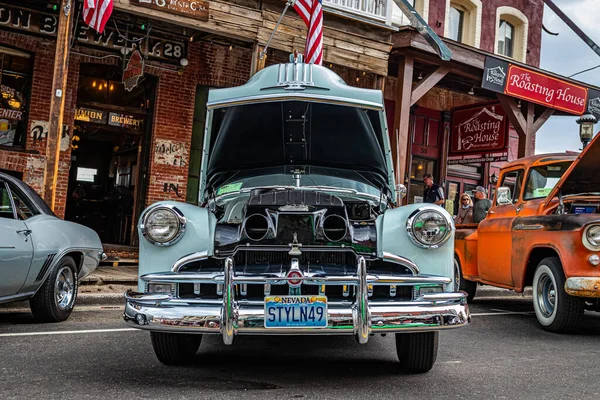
[(292, 309)]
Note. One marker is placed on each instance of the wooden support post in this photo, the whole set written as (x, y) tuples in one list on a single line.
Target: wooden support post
[(515, 116), (530, 133), (57, 101), (400, 135), (426, 84)]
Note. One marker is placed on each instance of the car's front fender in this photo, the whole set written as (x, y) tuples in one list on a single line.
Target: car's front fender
[(394, 239), (198, 237)]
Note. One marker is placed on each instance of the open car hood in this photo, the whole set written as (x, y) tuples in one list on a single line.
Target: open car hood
[(278, 122), (582, 176)]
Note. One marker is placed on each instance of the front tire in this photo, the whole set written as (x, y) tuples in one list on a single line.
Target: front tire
[(463, 284), (175, 348), (55, 299), (555, 310), (417, 352)]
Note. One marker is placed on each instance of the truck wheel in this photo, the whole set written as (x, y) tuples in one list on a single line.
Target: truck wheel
[(55, 299), (175, 348), (462, 284), (555, 310), (417, 352)]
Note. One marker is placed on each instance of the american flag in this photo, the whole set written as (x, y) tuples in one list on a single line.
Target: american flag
[(311, 12), (96, 13)]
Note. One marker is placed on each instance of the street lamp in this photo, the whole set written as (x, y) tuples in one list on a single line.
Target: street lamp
[(586, 128)]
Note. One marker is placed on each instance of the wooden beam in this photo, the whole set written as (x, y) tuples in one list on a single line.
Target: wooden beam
[(542, 119), (427, 83), (57, 101), (400, 135), (530, 133), (514, 113)]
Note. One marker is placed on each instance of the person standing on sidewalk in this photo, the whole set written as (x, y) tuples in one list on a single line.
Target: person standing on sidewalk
[(465, 211), (481, 206), (433, 193)]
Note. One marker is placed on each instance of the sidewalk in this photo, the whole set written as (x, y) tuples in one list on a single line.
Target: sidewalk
[(107, 284)]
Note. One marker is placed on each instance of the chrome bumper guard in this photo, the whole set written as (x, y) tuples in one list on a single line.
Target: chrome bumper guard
[(165, 313)]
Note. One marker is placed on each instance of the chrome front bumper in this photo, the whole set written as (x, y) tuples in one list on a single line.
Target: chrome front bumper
[(164, 313), (583, 287)]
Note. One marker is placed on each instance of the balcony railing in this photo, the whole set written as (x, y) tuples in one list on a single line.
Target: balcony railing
[(376, 10)]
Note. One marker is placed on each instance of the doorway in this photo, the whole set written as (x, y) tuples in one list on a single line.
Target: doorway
[(110, 153)]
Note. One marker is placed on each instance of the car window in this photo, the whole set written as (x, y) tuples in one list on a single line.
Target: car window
[(541, 180), (514, 181), (22, 204), (6, 208)]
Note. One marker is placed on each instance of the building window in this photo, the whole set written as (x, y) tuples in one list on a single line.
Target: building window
[(511, 33), (15, 86), (457, 19), (463, 21)]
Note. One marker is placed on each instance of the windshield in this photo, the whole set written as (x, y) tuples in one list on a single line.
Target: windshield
[(542, 179)]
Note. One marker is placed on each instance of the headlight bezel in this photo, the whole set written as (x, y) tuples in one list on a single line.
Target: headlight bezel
[(180, 218), (417, 213), (585, 240)]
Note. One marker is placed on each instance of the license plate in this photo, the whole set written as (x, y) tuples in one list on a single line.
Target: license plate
[(296, 312)]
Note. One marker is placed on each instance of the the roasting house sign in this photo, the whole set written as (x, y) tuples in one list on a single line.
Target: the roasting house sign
[(160, 47), (197, 9), (479, 130), (134, 70), (527, 84)]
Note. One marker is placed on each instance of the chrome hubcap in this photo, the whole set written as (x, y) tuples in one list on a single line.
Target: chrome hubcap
[(546, 295), (64, 288)]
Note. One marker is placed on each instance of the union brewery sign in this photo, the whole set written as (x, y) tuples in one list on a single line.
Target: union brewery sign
[(160, 47), (524, 83), (478, 130)]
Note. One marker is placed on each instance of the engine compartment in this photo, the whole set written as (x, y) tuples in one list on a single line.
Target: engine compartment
[(296, 218)]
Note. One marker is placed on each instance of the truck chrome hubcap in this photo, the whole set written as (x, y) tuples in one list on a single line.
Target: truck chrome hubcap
[(64, 288), (546, 295)]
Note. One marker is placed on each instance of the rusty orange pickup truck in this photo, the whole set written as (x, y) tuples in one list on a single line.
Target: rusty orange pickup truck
[(543, 230)]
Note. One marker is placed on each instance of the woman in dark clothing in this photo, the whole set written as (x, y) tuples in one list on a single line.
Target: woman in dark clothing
[(465, 211)]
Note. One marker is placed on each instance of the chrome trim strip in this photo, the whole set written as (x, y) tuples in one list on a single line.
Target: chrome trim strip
[(197, 256), (363, 314), (402, 261), (522, 227), (309, 279), (268, 98), (228, 309)]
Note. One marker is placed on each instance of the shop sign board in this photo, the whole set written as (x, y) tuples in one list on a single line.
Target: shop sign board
[(197, 9), (478, 130), (134, 70), (125, 121), (478, 160), (161, 47), (524, 83), (90, 115)]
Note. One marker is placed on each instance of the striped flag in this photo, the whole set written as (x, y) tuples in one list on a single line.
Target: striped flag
[(311, 12), (96, 13)]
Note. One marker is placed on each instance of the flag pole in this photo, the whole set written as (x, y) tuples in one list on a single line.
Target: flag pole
[(287, 5)]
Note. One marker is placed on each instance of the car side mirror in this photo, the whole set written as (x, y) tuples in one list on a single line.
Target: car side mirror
[(503, 196), (401, 190)]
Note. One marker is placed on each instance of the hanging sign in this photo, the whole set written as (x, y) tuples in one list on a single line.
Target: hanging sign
[(477, 130), (523, 83), (161, 46), (134, 70), (197, 9)]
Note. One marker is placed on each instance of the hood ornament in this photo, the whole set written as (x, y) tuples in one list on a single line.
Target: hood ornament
[(295, 251)]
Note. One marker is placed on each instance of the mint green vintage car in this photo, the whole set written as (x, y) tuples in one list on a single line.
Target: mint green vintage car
[(298, 232)]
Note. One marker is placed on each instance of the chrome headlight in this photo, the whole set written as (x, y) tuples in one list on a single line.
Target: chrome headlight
[(591, 237), (163, 225), (429, 227)]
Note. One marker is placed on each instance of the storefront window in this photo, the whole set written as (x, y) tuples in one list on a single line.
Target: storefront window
[(419, 168), (15, 83)]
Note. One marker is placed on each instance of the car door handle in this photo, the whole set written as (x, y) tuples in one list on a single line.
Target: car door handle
[(25, 232)]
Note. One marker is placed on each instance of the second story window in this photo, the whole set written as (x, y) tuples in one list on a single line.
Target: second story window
[(463, 21), (456, 22), (505, 38)]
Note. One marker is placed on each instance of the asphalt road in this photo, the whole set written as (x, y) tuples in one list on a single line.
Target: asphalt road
[(502, 354)]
